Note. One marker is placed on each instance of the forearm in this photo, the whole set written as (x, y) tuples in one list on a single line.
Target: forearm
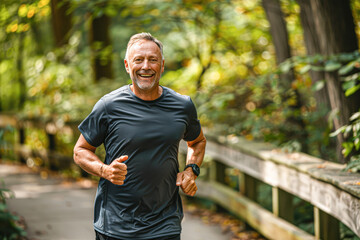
[(85, 157), (196, 152), (88, 161)]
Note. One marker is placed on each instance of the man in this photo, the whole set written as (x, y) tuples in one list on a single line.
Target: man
[(140, 126)]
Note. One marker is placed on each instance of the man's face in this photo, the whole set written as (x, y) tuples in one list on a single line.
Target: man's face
[(145, 65)]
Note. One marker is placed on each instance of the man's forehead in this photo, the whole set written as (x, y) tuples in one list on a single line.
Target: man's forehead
[(142, 44)]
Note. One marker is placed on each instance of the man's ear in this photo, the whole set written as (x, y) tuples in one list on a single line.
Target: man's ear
[(163, 66), (126, 66)]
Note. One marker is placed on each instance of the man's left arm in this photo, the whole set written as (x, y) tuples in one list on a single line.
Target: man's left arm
[(195, 155)]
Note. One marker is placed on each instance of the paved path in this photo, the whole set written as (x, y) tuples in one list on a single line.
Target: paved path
[(58, 210)]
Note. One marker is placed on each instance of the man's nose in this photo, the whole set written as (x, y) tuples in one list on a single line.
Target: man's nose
[(146, 64)]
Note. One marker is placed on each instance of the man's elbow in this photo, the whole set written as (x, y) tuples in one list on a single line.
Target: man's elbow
[(76, 155), (203, 141), (198, 142)]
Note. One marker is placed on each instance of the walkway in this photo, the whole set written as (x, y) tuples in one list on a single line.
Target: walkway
[(58, 210)]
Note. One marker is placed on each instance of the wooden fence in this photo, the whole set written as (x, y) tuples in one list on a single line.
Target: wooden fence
[(333, 193)]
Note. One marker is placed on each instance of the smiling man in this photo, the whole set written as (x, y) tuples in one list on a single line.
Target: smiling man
[(141, 125)]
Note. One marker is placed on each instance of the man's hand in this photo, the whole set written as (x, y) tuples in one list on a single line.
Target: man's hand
[(116, 171), (186, 180)]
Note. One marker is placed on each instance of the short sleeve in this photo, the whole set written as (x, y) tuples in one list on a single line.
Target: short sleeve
[(193, 128), (94, 126)]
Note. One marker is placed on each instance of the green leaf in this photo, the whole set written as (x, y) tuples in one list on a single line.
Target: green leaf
[(332, 66), (285, 67), (305, 69), (354, 164), (346, 69), (317, 68), (318, 85), (338, 131), (348, 146), (355, 116), (352, 90), (347, 85), (357, 143)]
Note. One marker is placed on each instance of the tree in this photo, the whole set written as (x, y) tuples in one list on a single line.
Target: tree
[(280, 40), (61, 21), (101, 48), (317, 77), (333, 24)]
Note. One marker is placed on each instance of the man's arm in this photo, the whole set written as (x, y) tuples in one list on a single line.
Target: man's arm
[(85, 157), (195, 155)]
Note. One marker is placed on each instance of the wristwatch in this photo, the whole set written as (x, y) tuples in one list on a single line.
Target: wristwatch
[(195, 168)]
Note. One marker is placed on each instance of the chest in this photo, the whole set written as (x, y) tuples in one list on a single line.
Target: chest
[(147, 124)]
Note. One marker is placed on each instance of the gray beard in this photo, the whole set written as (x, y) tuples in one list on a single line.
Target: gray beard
[(146, 87)]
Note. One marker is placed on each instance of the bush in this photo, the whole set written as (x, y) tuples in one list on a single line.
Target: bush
[(9, 228)]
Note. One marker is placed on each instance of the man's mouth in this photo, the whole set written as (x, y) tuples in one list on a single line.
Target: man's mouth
[(146, 75)]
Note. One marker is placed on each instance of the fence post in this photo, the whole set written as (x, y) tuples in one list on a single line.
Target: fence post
[(248, 186), (326, 226), (22, 138), (51, 130), (217, 171), (282, 204), (217, 174)]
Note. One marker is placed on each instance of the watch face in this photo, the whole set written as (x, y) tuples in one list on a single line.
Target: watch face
[(196, 169)]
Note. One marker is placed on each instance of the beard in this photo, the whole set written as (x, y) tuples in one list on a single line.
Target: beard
[(145, 85)]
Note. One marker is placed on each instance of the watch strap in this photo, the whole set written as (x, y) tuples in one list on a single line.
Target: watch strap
[(195, 168)]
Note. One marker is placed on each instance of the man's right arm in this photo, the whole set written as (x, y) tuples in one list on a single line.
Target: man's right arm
[(85, 157)]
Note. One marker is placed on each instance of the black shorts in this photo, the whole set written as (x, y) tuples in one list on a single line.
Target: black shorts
[(100, 236)]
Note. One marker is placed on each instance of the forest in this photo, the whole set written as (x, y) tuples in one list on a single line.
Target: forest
[(279, 71), (285, 72)]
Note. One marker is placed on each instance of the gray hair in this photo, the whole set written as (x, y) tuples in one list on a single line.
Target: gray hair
[(144, 36)]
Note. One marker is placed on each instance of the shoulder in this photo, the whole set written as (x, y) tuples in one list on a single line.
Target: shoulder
[(121, 92), (177, 99), (115, 97), (111, 99), (169, 93)]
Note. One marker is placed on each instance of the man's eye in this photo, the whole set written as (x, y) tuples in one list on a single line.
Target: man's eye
[(137, 60)]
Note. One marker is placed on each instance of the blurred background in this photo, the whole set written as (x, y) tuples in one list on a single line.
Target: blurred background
[(278, 71)]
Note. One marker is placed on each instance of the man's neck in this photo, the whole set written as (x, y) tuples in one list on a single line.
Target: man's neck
[(149, 95)]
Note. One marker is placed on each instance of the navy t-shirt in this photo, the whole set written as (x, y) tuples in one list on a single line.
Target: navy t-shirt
[(148, 204)]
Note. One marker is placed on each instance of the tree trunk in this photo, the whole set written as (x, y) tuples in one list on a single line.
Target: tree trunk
[(39, 37), (280, 37), (313, 47), (20, 72), (280, 40), (335, 30), (61, 21), (100, 44)]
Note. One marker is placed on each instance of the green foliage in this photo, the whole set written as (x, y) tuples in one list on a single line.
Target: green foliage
[(346, 233), (219, 52), (9, 229), (346, 65), (6, 142)]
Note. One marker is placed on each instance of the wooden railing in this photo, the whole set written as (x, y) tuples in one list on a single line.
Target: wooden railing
[(333, 193), (51, 156)]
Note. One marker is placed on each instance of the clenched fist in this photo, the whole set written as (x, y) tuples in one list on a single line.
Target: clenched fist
[(116, 171), (186, 180)]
